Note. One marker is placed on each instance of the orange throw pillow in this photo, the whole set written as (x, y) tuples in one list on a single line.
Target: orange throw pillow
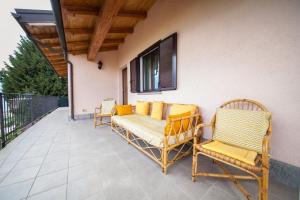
[(124, 110), (177, 124)]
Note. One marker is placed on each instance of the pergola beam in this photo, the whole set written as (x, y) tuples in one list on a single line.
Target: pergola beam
[(89, 31), (103, 24), (45, 35), (94, 11)]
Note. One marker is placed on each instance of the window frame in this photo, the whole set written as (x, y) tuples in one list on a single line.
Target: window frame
[(154, 47)]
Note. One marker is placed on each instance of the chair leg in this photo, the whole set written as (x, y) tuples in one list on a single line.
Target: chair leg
[(194, 164), (95, 121), (265, 184), (100, 121), (165, 160)]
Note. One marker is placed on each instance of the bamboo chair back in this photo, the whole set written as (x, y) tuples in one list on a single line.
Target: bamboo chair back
[(242, 104)]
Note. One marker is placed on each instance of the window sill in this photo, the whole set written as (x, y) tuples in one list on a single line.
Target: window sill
[(149, 93)]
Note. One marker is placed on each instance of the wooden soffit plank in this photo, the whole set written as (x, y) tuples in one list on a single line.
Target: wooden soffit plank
[(94, 11)]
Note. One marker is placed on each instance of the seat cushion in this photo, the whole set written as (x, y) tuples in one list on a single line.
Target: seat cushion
[(157, 110), (124, 110), (142, 107), (107, 106), (237, 153), (149, 129), (182, 108), (242, 128)]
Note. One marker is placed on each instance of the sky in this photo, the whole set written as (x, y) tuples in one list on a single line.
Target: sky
[(10, 30)]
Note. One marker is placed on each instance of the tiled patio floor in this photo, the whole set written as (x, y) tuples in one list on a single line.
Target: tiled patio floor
[(58, 159)]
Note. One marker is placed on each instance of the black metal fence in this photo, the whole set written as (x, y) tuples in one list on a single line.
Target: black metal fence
[(20, 110)]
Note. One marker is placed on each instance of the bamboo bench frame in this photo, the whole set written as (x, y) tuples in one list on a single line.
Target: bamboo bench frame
[(169, 153)]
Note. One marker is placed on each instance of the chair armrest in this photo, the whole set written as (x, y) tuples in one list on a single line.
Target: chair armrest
[(113, 111), (198, 127), (97, 109), (265, 150)]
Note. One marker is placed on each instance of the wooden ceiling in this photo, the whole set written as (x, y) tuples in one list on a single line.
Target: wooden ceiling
[(48, 42), (90, 26), (99, 25)]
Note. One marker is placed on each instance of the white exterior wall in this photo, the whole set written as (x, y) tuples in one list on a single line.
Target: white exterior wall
[(231, 49), (226, 49), (92, 85)]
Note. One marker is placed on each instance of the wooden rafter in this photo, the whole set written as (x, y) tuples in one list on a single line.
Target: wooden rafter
[(94, 11), (58, 63), (109, 48), (103, 24), (121, 30), (89, 31), (78, 52), (85, 51), (45, 35)]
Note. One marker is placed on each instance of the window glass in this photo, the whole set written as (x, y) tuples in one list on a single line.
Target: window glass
[(150, 70)]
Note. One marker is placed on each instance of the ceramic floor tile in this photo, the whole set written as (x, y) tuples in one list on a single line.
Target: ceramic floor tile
[(49, 181)]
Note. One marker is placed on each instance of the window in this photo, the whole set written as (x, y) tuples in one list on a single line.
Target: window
[(155, 69), (150, 70)]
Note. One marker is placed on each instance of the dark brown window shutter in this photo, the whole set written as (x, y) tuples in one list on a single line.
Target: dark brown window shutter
[(134, 75), (168, 63)]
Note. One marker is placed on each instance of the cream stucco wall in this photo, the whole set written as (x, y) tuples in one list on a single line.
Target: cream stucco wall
[(91, 85), (230, 49)]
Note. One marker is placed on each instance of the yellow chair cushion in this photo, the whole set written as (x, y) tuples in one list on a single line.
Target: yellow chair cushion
[(124, 110), (142, 107), (157, 110), (169, 130), (182, 108), (237, 153), (242, 128)]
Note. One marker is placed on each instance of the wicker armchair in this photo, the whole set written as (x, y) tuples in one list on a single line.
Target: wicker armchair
[(258, 171), (106, 109)]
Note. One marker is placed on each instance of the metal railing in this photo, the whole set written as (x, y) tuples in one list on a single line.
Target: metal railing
[(21, 110)]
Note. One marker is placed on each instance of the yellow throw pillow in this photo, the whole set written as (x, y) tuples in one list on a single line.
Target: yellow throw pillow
[(142, 107), (157, 110), (124, 109), (182, 108), (242, 128), (169, 130)]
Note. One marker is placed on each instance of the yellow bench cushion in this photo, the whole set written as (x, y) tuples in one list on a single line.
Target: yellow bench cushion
[(182, 108), (157, 110), (142, 107), (242, 128), (149, 129), (241, 154)]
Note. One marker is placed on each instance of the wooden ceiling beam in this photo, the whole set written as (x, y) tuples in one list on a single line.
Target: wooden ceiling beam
[(133, 14), (114, 41), (85, 51), (103, 24), (78, 52), (61, 69), (82, 10), (45, 35), (56, 59), (121, 30), (89, 31), (110, 48), (79, 30), (58, 63), (94, 11)]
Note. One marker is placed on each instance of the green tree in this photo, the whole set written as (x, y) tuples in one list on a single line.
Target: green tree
[(29, 72)]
